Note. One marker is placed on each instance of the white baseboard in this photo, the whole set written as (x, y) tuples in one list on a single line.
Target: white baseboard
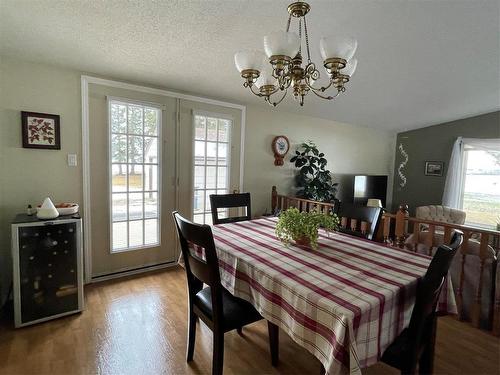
[(131, 271)]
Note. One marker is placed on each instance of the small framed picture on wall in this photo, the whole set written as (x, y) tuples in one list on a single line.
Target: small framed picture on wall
[(40, 130), (434, 168)]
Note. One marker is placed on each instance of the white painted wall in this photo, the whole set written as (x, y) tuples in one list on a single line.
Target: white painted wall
[(28, 175), (349, 149)]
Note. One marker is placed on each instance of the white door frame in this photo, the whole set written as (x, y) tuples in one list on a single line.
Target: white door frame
[(85, 81)]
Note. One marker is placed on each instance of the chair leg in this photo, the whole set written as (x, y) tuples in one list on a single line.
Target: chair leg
[(273, 330), (218, 352), (239, 330), (426, 362), (191, 336)]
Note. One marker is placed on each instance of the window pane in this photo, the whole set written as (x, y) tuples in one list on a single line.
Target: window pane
[(199, 177), (482, 188), (119, 177), (208, 219), (211, 129), (150, 150), (135, 206), (199, 127), (224, 130), (118, 118), (211, 171), (120, 236), (129, 152), (221, 177), (150, 121), (150, 205), (119, 207), (135, 233), (151, 177), (150, 231), (118, 148), (199, 201), (222, 153), (135, 177), (135, 149), (134, 119), (198, 219), (211, 152), (199, 152), (207, 198)]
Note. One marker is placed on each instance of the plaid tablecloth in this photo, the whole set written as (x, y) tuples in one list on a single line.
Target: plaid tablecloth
[(345, 302)]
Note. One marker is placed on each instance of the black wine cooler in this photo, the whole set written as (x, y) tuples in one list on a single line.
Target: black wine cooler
[(47, 268)]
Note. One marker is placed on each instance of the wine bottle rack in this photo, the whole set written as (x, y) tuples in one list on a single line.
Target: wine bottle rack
[(47, 268)]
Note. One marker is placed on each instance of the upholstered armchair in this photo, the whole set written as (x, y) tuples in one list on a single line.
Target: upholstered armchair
[(442, 214)]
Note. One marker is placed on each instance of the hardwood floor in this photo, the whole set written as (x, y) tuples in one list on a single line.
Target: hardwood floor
[(138, 326)]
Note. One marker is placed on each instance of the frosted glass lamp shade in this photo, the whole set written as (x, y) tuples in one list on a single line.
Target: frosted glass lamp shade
[(281, 43), (251, 59), (266, 78), (350, 67), (339, 47)]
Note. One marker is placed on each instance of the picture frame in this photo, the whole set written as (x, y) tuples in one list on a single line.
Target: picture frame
[(40, 130), (434, 168)]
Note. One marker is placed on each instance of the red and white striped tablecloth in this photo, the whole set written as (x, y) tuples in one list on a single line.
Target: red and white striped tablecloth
[(344, 302)]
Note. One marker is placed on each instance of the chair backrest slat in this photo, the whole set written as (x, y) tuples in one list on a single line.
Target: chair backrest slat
[(191, 235), (228, 201), (430, 287)]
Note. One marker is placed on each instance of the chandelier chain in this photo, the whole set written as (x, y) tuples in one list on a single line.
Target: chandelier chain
[(307, 41), (300, 35)]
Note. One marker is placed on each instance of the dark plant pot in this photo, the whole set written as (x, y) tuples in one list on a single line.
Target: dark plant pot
[(303, 241)]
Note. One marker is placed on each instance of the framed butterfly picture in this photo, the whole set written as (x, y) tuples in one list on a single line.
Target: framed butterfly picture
[(40, 130)]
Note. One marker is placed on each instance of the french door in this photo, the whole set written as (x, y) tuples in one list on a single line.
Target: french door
[(150, 155)]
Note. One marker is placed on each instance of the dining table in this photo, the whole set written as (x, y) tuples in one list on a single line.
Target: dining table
[(345, 301)]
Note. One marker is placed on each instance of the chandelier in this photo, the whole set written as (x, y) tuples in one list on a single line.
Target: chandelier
[(280, 69)]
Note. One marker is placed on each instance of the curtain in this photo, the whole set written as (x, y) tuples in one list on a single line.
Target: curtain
[(455, 178)]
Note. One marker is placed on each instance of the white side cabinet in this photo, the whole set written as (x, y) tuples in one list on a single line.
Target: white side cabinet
[(47, 268)]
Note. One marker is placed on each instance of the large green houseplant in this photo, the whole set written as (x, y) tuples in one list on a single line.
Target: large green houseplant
[(302, 227), (313, 181)]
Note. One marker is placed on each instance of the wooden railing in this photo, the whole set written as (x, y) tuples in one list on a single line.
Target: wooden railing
[(396, 233), (282, 202)]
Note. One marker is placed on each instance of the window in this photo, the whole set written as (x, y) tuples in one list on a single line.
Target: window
[(481, 190), (134, 154), (211, 163)]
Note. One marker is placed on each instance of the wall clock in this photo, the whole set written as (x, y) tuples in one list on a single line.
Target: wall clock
[(280, 145)]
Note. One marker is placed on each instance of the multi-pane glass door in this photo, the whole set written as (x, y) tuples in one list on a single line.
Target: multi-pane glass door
[(134, 175), (212, 145)]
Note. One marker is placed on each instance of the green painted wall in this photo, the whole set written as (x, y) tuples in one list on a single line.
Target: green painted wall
[(434, 143)]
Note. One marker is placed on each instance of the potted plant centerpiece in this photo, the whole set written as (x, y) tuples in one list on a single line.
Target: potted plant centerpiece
[(302, 227)]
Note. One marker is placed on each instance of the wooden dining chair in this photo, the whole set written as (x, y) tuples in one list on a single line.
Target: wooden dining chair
[(219, 309), (360, 221), (414, 347), (218, 201)]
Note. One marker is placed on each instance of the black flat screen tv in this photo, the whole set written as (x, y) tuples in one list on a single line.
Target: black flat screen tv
[(370, 187)]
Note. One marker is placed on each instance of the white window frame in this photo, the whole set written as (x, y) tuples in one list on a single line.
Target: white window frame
[(217, 116), (159, 107), (465, 160)]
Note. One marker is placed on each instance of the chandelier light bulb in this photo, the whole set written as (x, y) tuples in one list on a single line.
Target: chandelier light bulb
[(337, 47), (282, 43), (250, 59)]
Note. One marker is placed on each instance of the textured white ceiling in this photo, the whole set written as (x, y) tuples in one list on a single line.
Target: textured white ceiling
[(420, 62)]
